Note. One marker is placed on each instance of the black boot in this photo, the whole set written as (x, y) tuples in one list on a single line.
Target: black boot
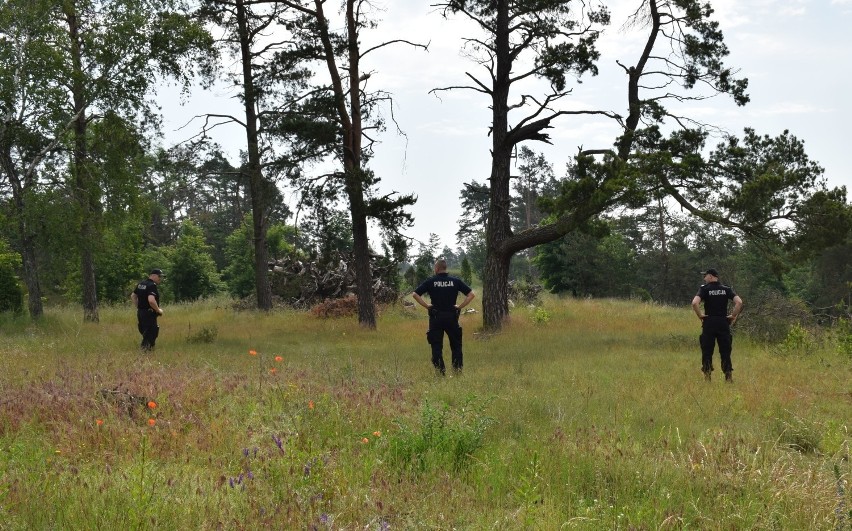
[(729, 376), (706, 376)]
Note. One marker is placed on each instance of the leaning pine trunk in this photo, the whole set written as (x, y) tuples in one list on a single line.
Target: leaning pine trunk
[(263, 289)]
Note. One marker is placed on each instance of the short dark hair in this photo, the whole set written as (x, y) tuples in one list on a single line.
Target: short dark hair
[(441, 264), (711, 271), (158, 272)]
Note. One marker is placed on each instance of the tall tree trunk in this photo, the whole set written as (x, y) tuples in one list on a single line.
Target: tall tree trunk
[(363, 273), (495, 302), (256, 188), (355, 180), (82, 178), (350, 122), (30, 265)]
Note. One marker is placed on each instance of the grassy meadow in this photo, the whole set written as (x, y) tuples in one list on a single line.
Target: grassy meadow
[(582, 414)]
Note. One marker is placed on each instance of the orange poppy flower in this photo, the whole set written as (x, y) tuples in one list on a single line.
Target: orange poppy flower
[(151, 422), (253, 352), (310, 404), (273, 370), (365, 440), (152, 404), (377, 433), (99, 422), (279, 358)]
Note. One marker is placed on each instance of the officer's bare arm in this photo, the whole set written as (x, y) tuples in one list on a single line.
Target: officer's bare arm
[(420, 301), (152, 301), (696, 307), (134, 298), (738, 307), (466, 300)]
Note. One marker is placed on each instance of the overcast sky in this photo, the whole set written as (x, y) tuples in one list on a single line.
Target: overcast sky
[(795, 53)]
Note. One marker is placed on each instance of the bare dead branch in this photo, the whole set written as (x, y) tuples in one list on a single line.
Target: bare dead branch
[(397, 41)]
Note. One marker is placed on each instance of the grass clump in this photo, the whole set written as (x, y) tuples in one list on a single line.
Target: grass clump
[(206, 334), (445, 436)]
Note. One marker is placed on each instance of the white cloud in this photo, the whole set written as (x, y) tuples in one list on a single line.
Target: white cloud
[(794, 10), (789, 109)]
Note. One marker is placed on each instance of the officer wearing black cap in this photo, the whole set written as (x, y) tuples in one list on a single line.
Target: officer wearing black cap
[(444, 313), (716, 322), (146, 298)]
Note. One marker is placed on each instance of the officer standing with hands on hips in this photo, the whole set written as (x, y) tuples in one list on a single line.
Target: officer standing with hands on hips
[(716, 322), (146, 298), (444, 314)]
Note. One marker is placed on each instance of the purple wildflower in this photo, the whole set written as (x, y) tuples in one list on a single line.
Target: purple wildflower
[(231, 482), (324, 519), (278, 442), (250, 475), (245, 452)]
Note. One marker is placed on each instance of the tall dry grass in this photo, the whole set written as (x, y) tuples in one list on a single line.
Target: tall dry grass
[(582, 414)]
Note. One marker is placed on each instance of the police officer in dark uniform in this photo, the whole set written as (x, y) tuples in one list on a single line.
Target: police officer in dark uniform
[(716, 322), (146, 298), (444, 313)]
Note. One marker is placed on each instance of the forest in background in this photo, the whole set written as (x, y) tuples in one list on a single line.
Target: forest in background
[(91, 201)]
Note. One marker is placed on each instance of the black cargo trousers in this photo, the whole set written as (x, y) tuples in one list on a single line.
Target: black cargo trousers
[(716, 329), (441, 321), (148, 327)]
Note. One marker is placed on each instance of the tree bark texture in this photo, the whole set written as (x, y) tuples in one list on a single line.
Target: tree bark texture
[(258, 201), (351, 124), (495, 301), (82, 179)]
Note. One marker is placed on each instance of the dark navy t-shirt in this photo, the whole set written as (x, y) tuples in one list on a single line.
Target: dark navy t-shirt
[(716, 297), (143, 289), (443, 290)]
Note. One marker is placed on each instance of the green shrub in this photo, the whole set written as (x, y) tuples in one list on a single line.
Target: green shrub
[(770, 316), (466, 270), (799, 342), (11, 294), (193, 273), (525, 291), (444, 435), (207, 334), (843, 337), (540, 316)]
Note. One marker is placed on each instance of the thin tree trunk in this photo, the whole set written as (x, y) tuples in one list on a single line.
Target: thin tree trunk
[(25, 236), (82, 185), (30, 264), (258, 200), (664, 251)]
